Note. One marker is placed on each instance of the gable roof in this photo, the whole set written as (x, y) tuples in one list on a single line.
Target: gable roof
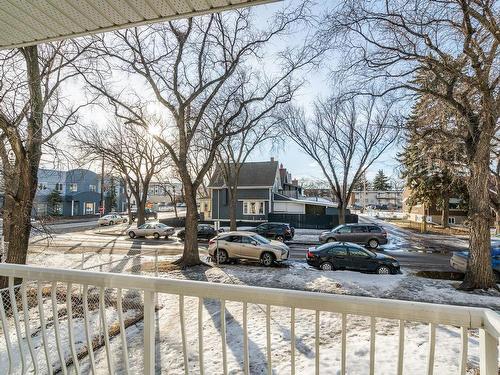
[(252, 174)]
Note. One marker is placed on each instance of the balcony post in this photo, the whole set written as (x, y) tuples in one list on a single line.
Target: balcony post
[(488, 353), (149, 333)]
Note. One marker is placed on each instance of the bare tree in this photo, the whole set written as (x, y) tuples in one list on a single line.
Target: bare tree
[(190, 67), (344, 138), (130, 150), (455, 43), (235, 151), (32, 113)]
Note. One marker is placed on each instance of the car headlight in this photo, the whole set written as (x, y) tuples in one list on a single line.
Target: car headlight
[(283, 251), (395, 264)]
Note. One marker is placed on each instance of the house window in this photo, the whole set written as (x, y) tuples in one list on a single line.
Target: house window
[(59, 187), (253, 207), (92, 188), (451, 220), (42, 186), (73, 188), (89, 208)]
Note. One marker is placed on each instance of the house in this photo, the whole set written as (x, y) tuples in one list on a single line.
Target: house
[(264, 188), (457, 214), (384, 199), (78, 192)]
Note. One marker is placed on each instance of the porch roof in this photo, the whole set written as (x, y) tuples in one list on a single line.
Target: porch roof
[(28, 22)]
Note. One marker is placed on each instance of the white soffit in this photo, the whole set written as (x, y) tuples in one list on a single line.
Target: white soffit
[(28, 22)]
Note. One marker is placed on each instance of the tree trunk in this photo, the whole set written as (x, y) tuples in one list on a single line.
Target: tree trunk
[(479, 274), (233, 204), (445, 212), (190, 255), (342, 210), (141, 207)]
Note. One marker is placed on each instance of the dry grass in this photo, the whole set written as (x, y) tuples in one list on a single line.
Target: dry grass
[(431, 228)]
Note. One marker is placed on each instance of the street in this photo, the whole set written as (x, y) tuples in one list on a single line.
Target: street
[(414, 251)]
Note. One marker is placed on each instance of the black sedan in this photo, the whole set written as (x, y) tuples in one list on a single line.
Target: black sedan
[(349, 256), (205, 232)]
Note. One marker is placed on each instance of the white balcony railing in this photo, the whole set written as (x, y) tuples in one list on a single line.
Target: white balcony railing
[(73, 321)]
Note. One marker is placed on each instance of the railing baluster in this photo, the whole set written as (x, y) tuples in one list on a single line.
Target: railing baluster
[(69, 308), (183, 334), (123, 334), (401, 346), (200, 334), (292, 341), (45, 340), (57, 329), (223, 335), (246, 365), (102, 312), (343, 344), (6, 334), (463, 350), (372, 344), (432, 346), (488, 353), (316, 343), (90, 347), (15, 313), (268, 338), (27, 326), (149, 332)]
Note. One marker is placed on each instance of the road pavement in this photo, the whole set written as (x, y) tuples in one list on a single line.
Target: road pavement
[(413, 251)]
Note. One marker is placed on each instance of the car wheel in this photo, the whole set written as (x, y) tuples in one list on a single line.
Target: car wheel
[(221, 256), (280, 238), (111, 223), (331, 240), (326, 266), (267, 259), (131, 234), (166, 237), (373, 243), (383, 270), (156, 236)]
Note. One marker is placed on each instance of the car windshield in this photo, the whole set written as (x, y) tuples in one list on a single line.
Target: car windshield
[(144, 226), (260, 239), (160, 225), (337, 227)]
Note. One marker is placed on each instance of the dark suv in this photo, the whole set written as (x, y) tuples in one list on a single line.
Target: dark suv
[(276, 231), (370, 235), (348, 256)]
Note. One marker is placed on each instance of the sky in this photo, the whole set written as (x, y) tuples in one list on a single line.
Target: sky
[(318, 85)]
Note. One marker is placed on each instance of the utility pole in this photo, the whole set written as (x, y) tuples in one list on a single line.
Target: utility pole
[(101, 204)]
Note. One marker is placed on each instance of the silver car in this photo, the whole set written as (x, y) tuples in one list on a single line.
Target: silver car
[(111, 219), (156, 230), (247, 245)]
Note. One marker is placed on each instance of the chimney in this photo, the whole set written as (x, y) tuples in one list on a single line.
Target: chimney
[(272, 158), (295, 182)]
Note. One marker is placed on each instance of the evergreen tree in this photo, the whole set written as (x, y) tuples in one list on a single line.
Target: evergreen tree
[(381, 182), (433, 164), (362, 183), (54, 201)]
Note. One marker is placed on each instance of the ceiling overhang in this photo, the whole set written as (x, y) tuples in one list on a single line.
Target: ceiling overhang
[(29, 22)]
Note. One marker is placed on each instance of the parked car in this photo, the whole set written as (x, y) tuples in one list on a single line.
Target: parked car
[(459, 259), (370, 235), (247, 245), (276, 231), (111, 219), (349, 256), (156, 230), (205, 232), (149, 214), (123, 215)]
